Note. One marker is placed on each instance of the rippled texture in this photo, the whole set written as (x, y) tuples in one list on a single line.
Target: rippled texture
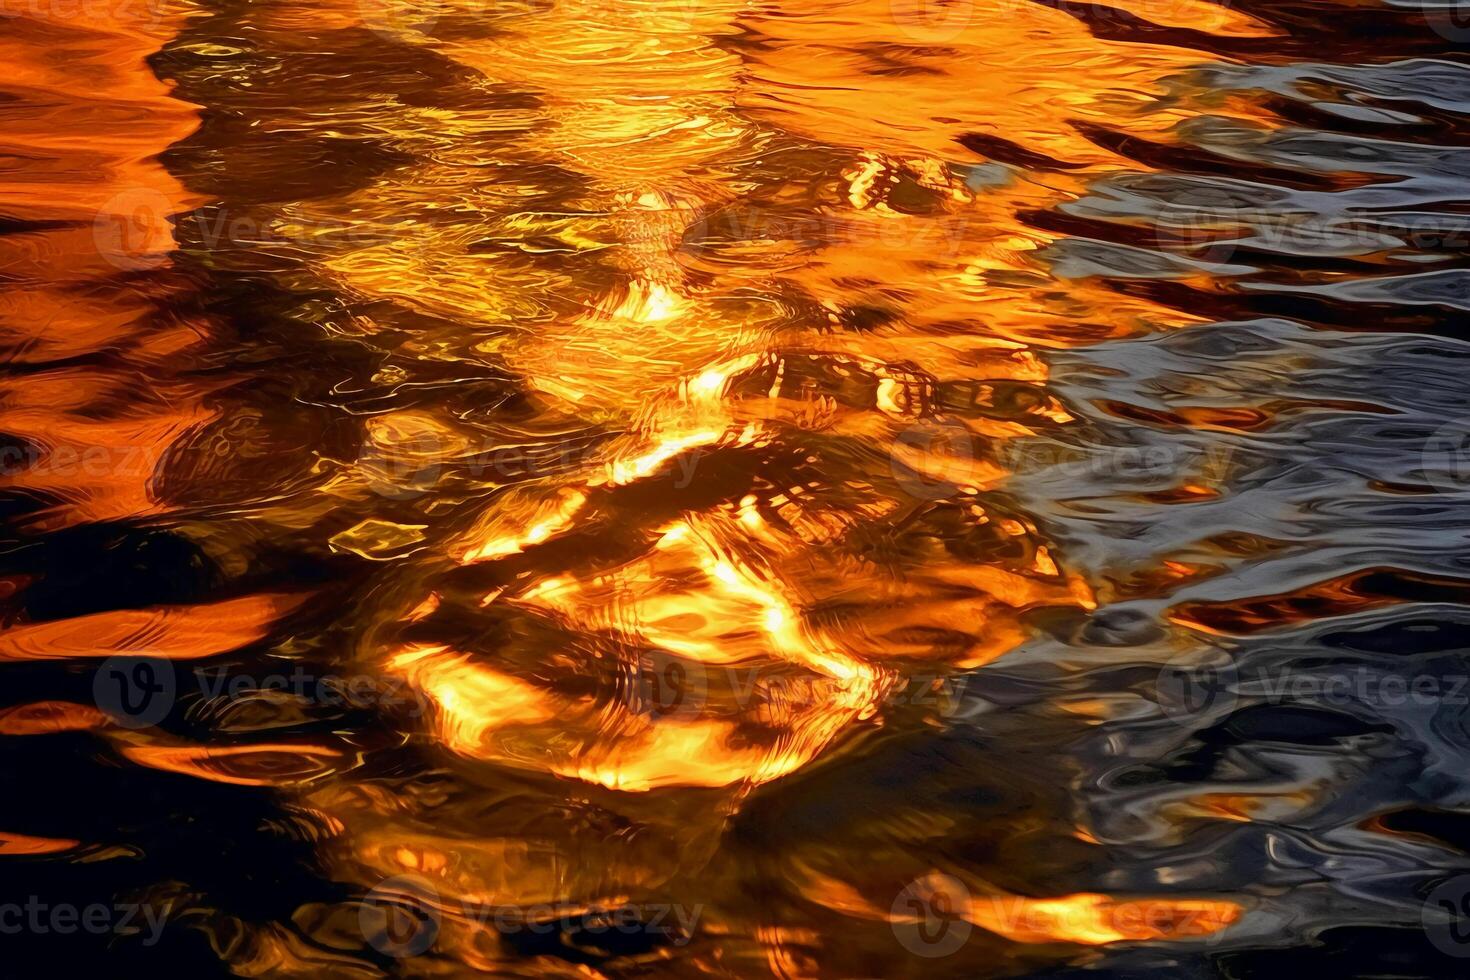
[(814, 466)]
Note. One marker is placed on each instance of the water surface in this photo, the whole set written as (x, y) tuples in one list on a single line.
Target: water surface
[(709, 488)]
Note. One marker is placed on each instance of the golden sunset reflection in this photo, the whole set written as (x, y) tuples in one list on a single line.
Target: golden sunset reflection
[(713, 487)]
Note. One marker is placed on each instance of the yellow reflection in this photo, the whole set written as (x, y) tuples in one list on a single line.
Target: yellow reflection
[(1093, 920)]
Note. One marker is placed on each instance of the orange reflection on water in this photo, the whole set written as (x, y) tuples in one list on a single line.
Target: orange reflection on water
[(24, 844), (1085, 918), (47, 717), (1093, 920), (173, 632), (89, 264), (773, 273), (266, 764)]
